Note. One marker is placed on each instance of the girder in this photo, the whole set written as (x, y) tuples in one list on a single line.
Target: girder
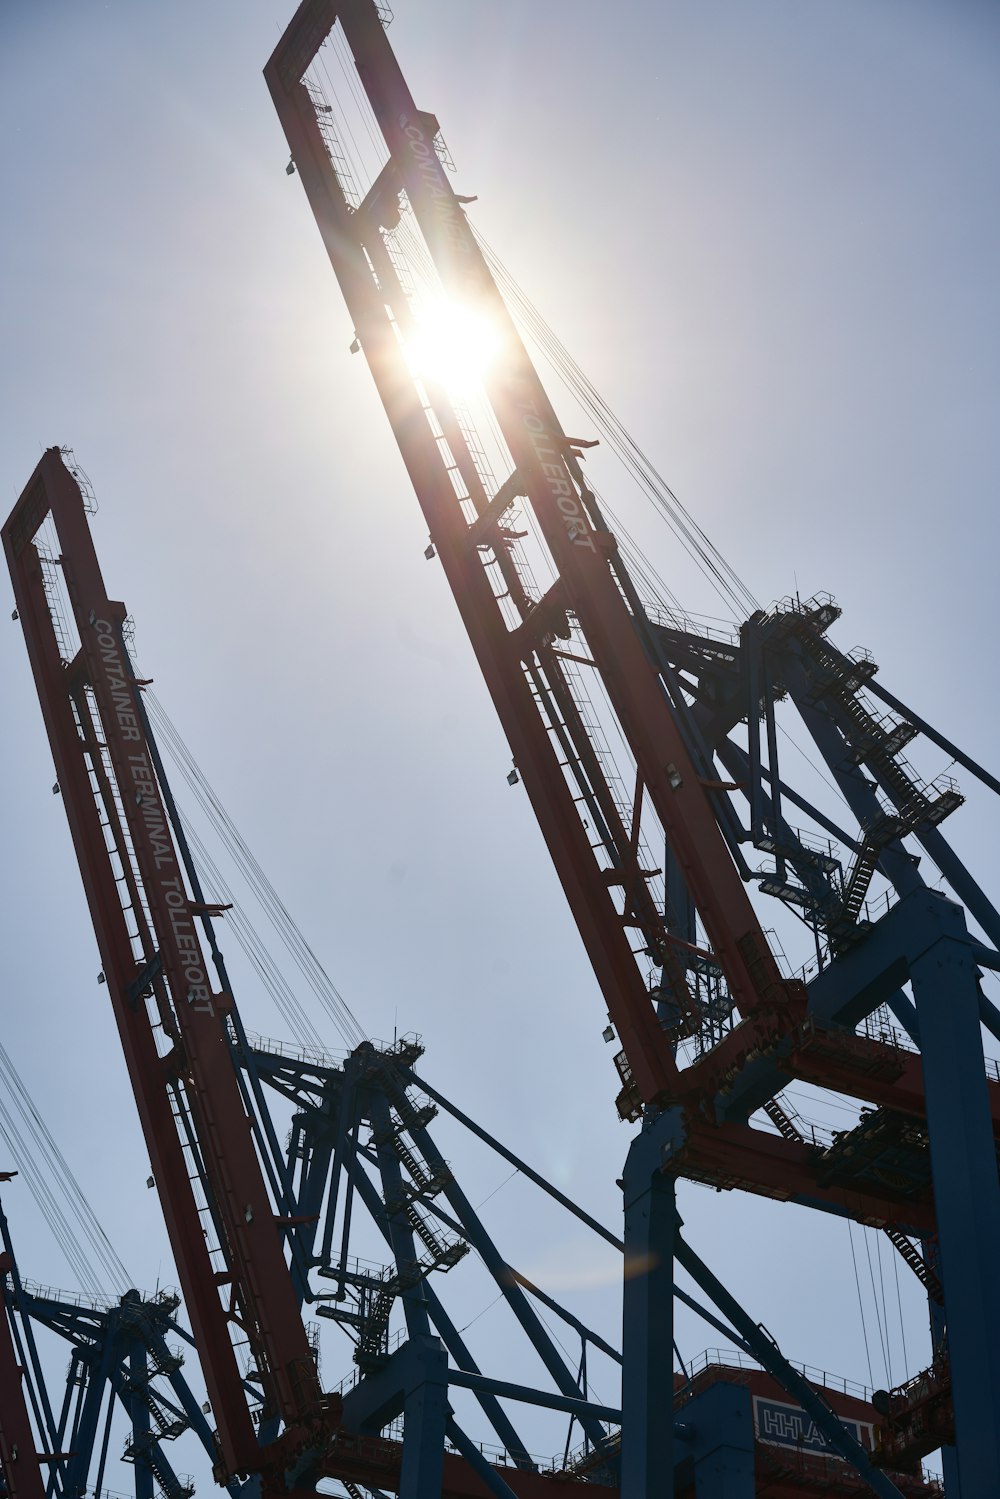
[(710, 1026)]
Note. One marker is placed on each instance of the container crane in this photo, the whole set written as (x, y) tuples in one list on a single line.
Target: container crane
[(359, 1137), (710, 1028), (227, 1210), (120, 1360), (211, 1141)]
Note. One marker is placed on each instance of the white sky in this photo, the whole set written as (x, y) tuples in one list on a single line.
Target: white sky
[(768, 233)]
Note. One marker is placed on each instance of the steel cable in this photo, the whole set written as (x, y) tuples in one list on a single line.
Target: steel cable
[(724, 578), (277, 913), (48, 1176)]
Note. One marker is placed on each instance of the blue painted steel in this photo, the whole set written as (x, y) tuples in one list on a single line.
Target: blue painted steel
[(345, 1119), (97, 1373), (989, 1015), (426, 1412), (142, 1436), (966, 1193), (514, 1160), (968, 890), (587, 1335), (850, 987), (772, 758), (117, 1353), (320, 1113), (936, 737), (966, 1189), (528, 1396), (647, 1456), (491, 1407), (750, 636), (400, 1231), (414, 1380), (700, 751), (736, 762), (379, 1398), (25, 1346), (721, 1456), (448, 1332), (477, 1462), (513, 1295), (814, 879), (105, 1445), (898, 866)]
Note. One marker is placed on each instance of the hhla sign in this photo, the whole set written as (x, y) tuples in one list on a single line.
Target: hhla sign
[(788, 1426)]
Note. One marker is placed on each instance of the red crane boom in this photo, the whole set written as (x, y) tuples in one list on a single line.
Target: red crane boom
[(172, 1025), (520, 659)]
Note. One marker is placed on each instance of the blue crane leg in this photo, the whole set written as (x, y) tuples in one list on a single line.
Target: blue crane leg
[(425, 1416), (647, 1460), (966, 1190), (721, 1420)]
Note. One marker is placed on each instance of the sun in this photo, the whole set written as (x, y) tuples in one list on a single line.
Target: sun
[(452, 345)]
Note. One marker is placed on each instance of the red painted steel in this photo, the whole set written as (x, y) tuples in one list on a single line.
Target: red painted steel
[(539, 448), (546, 471), (20, 1470), (91, 712), (262, 1304), (738, 1157), (548, 474)]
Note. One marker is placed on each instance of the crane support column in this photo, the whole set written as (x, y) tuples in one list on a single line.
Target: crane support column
[(647, 1460), (722, 1436), (966, 1189), (414, 1383)]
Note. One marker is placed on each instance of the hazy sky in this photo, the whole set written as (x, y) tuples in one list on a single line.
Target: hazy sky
[(769, 233)]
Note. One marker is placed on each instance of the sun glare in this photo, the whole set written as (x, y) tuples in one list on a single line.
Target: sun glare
[(453, 345)]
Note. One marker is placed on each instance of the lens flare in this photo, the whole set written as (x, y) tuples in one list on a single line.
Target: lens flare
[(452, 345)]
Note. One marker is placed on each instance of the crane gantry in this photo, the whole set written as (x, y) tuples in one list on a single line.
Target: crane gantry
[(711, 1027), (686, 959)]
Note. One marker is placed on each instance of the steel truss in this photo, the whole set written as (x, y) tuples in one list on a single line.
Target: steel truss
[(120, 1360), (360, 1135), (710, 1026)]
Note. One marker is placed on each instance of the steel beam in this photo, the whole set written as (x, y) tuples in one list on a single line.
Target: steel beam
[(966, 1189), (647, 1456), (19, 1466)]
